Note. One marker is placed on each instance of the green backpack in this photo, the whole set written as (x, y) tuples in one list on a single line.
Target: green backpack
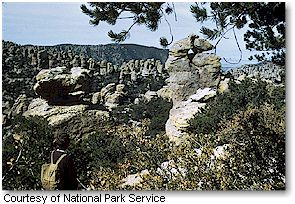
[(49, 174)]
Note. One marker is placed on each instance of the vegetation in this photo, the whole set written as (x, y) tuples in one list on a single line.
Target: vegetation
[(265, 20), (250, 133), (242, 96), (102, 159), (141, 13), (21, 157)]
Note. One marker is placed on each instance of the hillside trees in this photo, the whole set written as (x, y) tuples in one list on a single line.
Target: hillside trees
[(265, 22)]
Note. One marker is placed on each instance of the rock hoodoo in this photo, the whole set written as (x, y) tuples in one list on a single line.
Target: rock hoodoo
[(190, 69), (193, 78)]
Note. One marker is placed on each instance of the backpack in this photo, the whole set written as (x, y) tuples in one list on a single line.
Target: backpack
[(49, 174)]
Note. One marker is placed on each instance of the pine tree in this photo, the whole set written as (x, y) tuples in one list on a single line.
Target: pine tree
[(265, 20), (142, 13)]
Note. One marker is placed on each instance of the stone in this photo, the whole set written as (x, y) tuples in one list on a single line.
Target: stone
[(183, 111), (181, 48), (189, 73), (96, 97), (202, 95), (134, 179), (149, 95), (107, 89), (113, 100), (77, 119), (55, 115), (223, 86), (120, 88), (264, 70), (165, 92), (55, 85), (21, 105), (170, 170)]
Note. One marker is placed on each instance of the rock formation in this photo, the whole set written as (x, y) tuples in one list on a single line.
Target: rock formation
[(183, 111), (190, 69), (264, 70), (60, 85), (193, 77), (76, 119)]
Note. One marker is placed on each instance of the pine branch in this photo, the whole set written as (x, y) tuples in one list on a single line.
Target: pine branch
[(241, 53)]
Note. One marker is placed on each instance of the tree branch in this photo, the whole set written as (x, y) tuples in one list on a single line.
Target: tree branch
[(241, 53)]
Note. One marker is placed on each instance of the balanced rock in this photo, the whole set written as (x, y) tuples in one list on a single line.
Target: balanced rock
[(192, 42), (61, 86), (189, 69)]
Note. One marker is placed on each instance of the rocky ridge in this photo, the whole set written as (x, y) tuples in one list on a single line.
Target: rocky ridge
[(265, 70)]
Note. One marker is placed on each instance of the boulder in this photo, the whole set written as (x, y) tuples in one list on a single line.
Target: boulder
[(149, 95), (112, 95), (110, 88), (77, 119), (193, 43), (96, 97), (57, 85), (165, 92)]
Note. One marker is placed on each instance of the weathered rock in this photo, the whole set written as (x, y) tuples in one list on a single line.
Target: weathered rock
[(192, 42), (183, 111), (21, 105), (223, 86), (149, 95), (134, 179), (55, 115), (264, 70), (110, 88), (96, 98), (170, 170), (55, 85), (120, 88), (190, 71), (112, 95), (77, 119)]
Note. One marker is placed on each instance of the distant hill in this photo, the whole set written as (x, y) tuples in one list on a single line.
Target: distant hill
[(115, 53)]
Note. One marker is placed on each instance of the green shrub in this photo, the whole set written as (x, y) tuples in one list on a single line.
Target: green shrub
[(241, 96), (254, 159), (23, 153), (157, 110)]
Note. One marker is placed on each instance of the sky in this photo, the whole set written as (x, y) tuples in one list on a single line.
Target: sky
[(59, 23)]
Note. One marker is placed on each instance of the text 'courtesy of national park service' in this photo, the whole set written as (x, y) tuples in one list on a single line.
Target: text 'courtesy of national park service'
[(79, 198)]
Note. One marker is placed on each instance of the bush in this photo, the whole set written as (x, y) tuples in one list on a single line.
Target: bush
[(23, 153), (241, 96), (156, 110), (254, 159)]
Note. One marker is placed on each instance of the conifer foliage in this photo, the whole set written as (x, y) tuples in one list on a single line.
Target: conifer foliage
[(265, 20), (142, 13)]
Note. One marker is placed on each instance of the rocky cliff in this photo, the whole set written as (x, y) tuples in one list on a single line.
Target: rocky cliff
[(114, 53)]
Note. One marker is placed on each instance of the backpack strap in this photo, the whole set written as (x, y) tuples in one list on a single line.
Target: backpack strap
[(59, 159)]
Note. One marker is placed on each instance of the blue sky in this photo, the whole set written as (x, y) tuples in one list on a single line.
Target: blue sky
[(58, 23)]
